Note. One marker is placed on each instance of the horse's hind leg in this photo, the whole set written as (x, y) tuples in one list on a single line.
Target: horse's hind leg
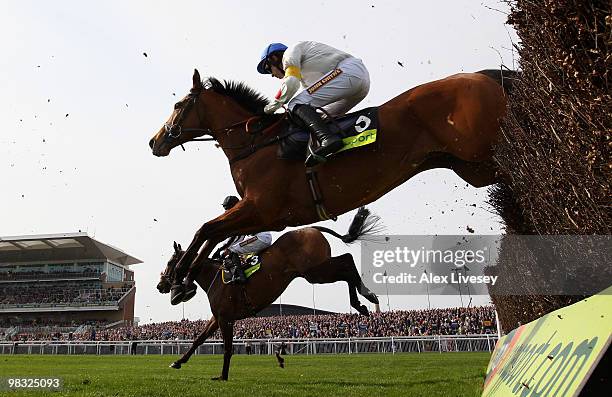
[(477, 174), (281, 361), (349, 264), (339, 268), (210, 329)]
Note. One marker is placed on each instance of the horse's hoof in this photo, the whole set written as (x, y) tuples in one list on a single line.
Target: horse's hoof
[(190, 292), (177, 293), (218, 378), (175, 365), (363, 310)]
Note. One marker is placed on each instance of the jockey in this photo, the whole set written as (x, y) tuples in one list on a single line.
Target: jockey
[(235, 246), (332, 79)]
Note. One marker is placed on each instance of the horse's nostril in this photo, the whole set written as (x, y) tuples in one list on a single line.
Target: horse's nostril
[(151, 143)]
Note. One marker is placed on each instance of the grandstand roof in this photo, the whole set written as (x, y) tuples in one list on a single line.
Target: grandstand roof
[(59, 247)]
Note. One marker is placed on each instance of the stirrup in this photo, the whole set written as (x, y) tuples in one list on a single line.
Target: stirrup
[(313, 159)]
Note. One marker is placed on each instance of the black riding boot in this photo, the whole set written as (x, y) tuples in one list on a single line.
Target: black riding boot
[(235, 268), (330, 142)]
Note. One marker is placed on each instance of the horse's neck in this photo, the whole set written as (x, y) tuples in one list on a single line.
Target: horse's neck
[(230, 140), (208, 273), (237, 141)]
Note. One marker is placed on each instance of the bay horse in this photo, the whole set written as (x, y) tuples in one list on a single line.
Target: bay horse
[(299, 253), (449, 123)]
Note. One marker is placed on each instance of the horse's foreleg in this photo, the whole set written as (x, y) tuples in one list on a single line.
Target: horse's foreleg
[(210, 329), (196, 266), (238, 220), (227, 331)]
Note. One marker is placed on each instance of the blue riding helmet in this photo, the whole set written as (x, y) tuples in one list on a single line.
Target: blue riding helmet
[(266, 53)]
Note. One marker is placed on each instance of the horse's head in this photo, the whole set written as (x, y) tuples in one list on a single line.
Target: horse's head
[(165, 281), (185, 122), (215, 109)]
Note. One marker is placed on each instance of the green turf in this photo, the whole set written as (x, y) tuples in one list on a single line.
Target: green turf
[(429, 374)]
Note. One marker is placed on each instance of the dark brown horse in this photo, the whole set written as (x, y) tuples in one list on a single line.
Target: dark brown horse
[(450, 123), (300, 253)]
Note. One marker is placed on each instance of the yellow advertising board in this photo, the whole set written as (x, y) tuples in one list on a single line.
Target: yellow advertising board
[(553, 355)]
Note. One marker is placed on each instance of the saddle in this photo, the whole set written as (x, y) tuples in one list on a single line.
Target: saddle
[(356, 129), (250, 263)]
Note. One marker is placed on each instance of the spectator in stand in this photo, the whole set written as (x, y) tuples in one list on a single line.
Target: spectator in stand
[(463, 321)]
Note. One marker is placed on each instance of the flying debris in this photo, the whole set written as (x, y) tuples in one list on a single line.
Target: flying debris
[(469, 229), (399, 63), (145, 54)]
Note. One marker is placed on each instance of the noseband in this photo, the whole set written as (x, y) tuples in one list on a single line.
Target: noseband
[(175, 130)]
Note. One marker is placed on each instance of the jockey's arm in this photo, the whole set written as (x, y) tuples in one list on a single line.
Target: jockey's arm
[(289, 86), (292, 80)]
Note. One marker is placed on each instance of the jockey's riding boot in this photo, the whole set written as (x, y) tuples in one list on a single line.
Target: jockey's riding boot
[(329, 142), (235, 269), (238, 276)]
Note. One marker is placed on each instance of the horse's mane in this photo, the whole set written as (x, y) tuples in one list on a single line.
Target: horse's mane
[(246, 97)]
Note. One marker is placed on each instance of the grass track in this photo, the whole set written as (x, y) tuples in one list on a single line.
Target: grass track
[(430, 374)]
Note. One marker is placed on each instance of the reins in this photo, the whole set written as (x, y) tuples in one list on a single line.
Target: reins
[(252, 147)]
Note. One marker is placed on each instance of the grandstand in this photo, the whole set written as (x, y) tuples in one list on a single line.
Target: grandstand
[(57, 285), (289, 310)]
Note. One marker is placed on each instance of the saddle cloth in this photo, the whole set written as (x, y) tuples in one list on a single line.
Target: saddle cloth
[(356, 129), (250, 263)]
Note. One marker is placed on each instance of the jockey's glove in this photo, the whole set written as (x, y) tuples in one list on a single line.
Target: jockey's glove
[(273, 107)]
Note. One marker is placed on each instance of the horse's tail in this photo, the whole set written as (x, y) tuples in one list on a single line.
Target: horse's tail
[(364, 223), (503, 77)]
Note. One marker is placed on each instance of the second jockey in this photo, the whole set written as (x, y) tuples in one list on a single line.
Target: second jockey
[(235, 246), (332, 79)]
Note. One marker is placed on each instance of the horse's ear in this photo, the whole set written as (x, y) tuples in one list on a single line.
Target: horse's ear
[(180, 248), (176, 246), (197, 81)]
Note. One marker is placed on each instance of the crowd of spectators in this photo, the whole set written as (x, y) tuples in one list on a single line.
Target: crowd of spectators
[(58, 293), (52, 274), (452, 321)]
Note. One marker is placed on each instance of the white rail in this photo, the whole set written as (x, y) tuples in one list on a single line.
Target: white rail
[(388, 345)]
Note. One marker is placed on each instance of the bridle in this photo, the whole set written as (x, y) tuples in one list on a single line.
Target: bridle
[(175, 130), (168, 274)]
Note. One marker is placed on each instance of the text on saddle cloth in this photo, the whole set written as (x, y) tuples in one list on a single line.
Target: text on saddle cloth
[(251, 263)]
